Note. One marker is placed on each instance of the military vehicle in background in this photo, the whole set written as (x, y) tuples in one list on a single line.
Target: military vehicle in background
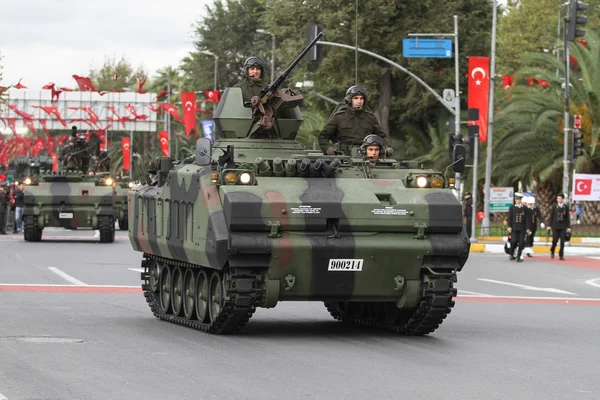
[(264, 221), (69, 198), (122, 186)]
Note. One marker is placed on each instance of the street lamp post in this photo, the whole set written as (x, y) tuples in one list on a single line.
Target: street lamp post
[(272, 51), (209, 53)]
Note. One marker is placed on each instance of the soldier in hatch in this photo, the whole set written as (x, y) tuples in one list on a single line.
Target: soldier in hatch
[(350, 123), (70, 157), (252, 83), (372, 148)]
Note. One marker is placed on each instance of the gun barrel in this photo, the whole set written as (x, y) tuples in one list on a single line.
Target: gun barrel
[(275, 85)]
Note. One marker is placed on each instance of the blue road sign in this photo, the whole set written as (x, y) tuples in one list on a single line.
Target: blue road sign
[(427, 48)]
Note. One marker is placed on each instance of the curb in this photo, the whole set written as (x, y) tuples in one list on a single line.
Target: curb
[(499, 249), (542, 239)]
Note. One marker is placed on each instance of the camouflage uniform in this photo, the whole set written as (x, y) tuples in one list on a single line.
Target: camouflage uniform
[(250, 86), (70, 159), (349, 127)]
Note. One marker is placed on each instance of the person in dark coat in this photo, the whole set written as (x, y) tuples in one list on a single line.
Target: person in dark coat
[(252, 82), (350, 123), (468, 212), (559, 224), (3, 207), (519, 225)]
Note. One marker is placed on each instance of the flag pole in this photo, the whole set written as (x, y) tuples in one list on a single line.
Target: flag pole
[(485, 225)]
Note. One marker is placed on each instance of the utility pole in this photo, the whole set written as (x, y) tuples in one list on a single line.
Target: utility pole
[(485, 225), (571, 34)]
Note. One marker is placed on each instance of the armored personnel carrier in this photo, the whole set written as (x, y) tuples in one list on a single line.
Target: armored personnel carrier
[(247, 223), (68, 199), (122, 187)]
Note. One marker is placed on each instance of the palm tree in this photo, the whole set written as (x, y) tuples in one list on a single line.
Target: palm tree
[(530, 124)]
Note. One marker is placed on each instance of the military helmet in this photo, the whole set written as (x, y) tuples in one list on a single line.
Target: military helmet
[(353, 91), (372, 140), (254, 62)]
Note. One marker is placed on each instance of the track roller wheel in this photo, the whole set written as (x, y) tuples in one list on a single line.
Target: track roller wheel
[(177, 291), (201, 296), (165, 289), (107, 229), (216, 298), (189, 287)]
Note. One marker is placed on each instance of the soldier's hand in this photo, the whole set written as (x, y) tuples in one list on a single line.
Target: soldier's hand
[(568, 229), (548, 228), (331, 151), (389, 151)]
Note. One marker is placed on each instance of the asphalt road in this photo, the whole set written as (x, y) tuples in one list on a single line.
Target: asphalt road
[(74, 325)]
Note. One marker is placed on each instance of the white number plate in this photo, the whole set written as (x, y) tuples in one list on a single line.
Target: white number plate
[(345, 265), (65, 215)]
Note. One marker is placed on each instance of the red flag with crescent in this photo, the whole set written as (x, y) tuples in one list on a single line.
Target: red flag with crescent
[(170, 108), (164, 142), (479, 88), (126, 147), (188, 102)]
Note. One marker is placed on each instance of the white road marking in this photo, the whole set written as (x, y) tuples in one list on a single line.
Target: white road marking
[(2, 397), (594, 282), (576, 299), (67, 277), (59, 285), (466, 292), (527, 287), (23, 261), (595, 258), (136, 269)]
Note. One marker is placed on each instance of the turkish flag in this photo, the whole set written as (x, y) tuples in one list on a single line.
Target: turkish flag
[(85, 83), (164, 142), (126, 146), (479, 88), (213, 96), (507, 81), (19, 85), (54, 162), (50, 144), (170, 108), (29, 124), (52, 110), (583, 186), (188, 101), (19, 112)]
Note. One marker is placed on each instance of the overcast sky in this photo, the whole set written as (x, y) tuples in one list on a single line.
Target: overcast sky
[(50, 40)]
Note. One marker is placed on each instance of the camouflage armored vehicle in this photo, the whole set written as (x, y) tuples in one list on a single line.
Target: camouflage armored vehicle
[(68, 199), (247, 223)]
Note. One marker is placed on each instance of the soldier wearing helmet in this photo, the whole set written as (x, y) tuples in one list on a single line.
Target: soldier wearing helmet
[(252, 82), (350, 123), (372, 148)]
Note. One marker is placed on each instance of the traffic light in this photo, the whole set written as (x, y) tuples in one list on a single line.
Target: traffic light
[(573, 20), (315, 54), (577, 144)]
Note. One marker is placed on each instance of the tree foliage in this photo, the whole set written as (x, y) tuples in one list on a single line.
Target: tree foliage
[(530, 26), (117, 75)]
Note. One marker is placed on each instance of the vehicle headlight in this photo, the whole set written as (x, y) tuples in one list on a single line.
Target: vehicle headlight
[(422, 182), (28, 181), (108, 182), (130, 184), (437, 182), (245, 178)]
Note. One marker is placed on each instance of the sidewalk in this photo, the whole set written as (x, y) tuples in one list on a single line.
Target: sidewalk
[(576, 246)]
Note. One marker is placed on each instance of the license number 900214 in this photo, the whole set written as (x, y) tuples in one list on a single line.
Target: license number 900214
[(345, 265)]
